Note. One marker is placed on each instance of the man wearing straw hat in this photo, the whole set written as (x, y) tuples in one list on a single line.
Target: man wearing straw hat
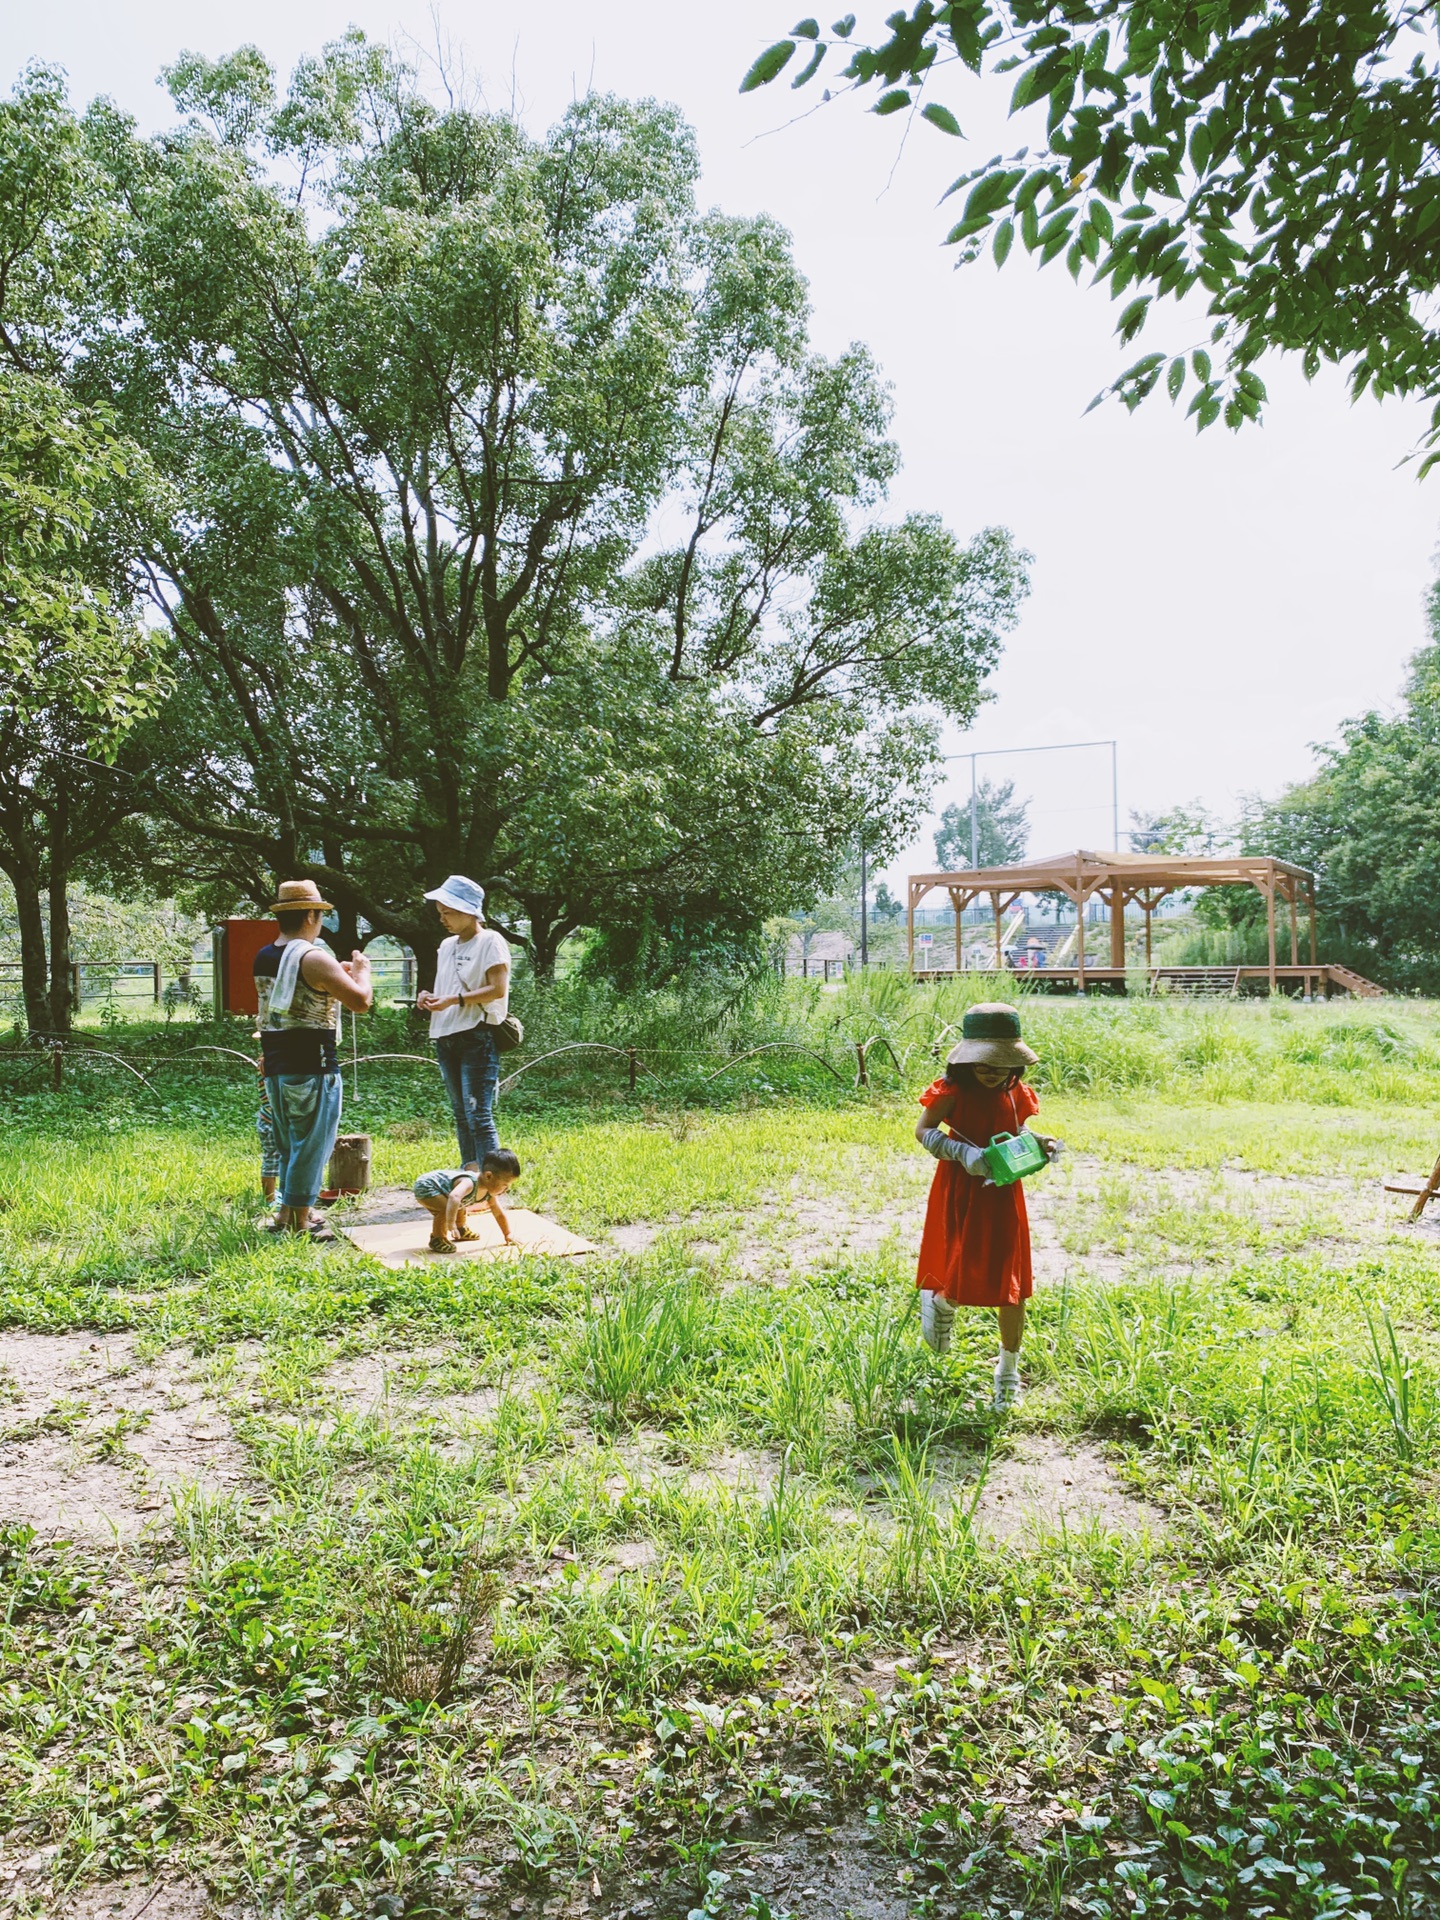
[(301, 988)]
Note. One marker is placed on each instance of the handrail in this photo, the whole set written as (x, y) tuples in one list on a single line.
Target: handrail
[(773, 1046)]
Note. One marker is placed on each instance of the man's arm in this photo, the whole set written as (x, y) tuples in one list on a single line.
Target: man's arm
[(349, 984)]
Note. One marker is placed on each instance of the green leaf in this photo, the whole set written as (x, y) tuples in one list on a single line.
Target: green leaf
[(1175, 378), (843, 28), (807, 30), (894, 101), (1200, 361), (810, 69), (1133, 318), (1003, 241), (940, 117), (773, 61)]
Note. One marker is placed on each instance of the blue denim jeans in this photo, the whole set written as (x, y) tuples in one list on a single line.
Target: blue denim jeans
[(305, 1109), (470, 1068)]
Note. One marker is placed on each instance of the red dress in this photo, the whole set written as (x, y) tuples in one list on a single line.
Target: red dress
[(976, 1246)]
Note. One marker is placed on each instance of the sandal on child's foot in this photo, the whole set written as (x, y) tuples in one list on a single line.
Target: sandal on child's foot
[(466, 1233), (439, 1245)]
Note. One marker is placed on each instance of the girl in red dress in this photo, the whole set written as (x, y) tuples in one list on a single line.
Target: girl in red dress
[(975, 1251)]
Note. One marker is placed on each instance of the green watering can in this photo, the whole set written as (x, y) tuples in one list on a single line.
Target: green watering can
[(1011, 1156)]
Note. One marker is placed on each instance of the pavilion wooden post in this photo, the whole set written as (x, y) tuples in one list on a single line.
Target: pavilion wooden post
[(1080, 941), (959, 937), (1269, 891), (1117, 926), (999, 933), (1147, 930), (1314, 948), (1294, 921)]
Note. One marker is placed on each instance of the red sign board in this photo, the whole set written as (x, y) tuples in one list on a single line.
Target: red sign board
[(236, 944)]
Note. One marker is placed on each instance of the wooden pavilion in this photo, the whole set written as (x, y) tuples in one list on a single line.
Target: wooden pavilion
[(1144, 879)]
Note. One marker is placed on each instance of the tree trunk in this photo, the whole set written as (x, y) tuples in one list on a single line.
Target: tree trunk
[(31, 919), (424, 942), (545, 939), (346, 937), (62, 986)]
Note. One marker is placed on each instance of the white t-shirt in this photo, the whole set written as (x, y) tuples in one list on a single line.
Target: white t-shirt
[(461, 968)]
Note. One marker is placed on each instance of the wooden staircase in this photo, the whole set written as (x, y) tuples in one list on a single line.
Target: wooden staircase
[(1355, 983), (1200, 983)]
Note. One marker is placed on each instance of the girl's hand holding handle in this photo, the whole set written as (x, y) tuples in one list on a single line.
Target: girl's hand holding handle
[(1053, 1147)]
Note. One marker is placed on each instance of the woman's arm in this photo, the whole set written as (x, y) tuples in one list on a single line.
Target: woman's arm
[(497, 979)]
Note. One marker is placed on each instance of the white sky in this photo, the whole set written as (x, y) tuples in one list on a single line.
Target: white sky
[(1216, 604)]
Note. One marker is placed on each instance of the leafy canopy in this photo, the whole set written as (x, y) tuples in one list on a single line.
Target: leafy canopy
[(523, 531), (1280, 159), (1367, 826)]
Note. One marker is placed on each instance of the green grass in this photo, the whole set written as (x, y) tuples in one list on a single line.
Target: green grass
[(648, 1565)]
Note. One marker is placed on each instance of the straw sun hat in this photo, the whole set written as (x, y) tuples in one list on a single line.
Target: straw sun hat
[(990, 1037), (298, 896)]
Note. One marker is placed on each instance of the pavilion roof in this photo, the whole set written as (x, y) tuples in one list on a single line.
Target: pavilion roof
[(1089, 872)]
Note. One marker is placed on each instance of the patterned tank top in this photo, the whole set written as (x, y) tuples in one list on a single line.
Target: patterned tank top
[(302, 1038)]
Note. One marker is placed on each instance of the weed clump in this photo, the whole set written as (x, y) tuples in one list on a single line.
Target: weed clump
[(423, 1643)]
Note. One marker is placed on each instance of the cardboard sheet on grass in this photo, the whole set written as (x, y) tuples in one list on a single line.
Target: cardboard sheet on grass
[(396, 1231)]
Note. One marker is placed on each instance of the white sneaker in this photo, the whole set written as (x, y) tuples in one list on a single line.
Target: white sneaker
[(937, 1320), (1008, 1392)]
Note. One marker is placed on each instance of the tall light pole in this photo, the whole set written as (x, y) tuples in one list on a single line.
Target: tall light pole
[(1061, 746), (864, 942)]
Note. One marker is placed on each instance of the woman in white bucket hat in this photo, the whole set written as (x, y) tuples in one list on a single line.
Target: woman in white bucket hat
[(470, 998)]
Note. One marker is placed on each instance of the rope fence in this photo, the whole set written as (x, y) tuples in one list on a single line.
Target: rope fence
[(58, 1053)]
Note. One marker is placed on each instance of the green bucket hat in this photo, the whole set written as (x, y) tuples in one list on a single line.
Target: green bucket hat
[(990, 1037)]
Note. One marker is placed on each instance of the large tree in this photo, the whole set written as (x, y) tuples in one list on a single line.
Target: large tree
[(77, 669), (1367, 826), (1282, 160), (521, 531)]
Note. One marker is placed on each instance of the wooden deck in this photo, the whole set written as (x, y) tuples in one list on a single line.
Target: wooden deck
[(1316, 982)]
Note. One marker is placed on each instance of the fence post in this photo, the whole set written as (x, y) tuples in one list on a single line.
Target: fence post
[(862, 1078), (804, 966), (57, 1067), (630, 1056), (76, 1000), (155, 977)]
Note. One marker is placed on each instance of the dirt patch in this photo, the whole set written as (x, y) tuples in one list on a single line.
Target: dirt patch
[(839, 1873), (1047, 1486), (643, 1463), (631, 1555), (93, 1441), (1042, 1487), (634, 1236), (139, 1900)]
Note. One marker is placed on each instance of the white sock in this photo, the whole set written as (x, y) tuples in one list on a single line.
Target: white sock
[(1007, 1367)]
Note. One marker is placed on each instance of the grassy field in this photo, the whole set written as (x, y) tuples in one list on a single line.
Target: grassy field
[(683, 1580)]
